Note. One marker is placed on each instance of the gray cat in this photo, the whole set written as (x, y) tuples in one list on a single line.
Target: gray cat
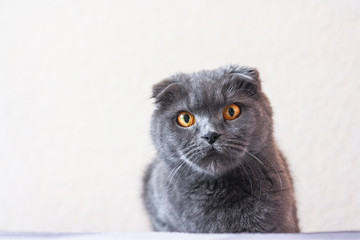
[(217, 168)]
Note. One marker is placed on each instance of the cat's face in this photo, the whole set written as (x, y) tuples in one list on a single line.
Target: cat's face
[(211, 119)]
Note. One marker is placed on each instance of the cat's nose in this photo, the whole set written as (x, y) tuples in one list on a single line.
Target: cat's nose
[(211, 137)]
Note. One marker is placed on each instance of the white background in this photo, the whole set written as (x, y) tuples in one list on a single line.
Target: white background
[(75, 87)]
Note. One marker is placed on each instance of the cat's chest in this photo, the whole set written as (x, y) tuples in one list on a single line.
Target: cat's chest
[(215, 194), (216, 205)]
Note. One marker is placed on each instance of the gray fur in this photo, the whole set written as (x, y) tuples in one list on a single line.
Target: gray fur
[(243, 186)]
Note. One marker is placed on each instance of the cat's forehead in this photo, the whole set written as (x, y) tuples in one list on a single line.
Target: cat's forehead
[(205, 90)]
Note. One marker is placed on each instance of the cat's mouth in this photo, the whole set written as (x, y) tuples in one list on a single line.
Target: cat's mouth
[(216, 160), (212, 150)]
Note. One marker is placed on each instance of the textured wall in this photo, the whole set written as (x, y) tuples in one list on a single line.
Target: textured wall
[(75, 82)]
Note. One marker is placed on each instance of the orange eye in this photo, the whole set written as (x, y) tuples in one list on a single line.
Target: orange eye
[(231, 112), (186, 119)]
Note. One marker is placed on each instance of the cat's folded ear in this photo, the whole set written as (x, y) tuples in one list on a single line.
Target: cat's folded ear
[(166, 91), (244, 79), (249, 73)]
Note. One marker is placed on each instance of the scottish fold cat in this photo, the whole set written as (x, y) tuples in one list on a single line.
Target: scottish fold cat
[(217, 168)]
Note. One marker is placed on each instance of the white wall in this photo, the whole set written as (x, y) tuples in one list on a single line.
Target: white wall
[(75, 82)]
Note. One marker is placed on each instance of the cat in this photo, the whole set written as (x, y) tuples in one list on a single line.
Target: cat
[(217, 168)]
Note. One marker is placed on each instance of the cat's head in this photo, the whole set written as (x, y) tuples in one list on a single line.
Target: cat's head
[(211, 119)]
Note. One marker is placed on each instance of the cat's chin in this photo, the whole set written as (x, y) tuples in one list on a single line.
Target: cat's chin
[(216, 164)]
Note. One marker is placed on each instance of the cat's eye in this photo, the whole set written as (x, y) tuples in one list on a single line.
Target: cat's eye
[(231, 112), (186, 119)]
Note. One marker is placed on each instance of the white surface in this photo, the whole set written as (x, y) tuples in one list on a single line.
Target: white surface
[(75, 82), (178, 236)]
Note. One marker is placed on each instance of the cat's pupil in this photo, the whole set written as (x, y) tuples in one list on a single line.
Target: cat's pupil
[(231, 111), (186, 118)]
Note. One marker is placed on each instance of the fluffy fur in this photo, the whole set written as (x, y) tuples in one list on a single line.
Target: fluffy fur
[(241, 182)]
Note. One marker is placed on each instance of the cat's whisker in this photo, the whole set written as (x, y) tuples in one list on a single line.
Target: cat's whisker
[(276, 170), (191, 154), (236, 143), (255, 170), (189, 146), (175, 170), (236, 148), (182, 169), (264, 167), (238, 138), (249, 178), (172, 170), (267, 172), (252, 155), (273, 166)]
